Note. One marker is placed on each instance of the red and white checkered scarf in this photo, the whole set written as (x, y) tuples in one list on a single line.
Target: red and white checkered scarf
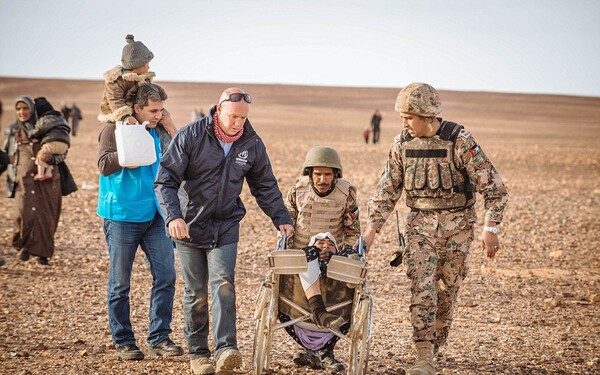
[(222, 135)]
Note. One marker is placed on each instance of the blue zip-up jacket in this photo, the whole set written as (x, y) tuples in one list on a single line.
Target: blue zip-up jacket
[(126, 194), (198, 183)]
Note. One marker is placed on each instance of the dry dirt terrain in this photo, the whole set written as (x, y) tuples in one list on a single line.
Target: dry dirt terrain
[(532, 310)]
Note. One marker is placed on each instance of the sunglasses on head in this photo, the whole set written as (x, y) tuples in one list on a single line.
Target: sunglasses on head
[(236, 97)]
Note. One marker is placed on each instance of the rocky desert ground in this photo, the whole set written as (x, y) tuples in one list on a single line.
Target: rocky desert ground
[(533, 310)]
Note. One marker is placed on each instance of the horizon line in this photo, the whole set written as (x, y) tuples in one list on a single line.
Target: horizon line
[(310, 85)]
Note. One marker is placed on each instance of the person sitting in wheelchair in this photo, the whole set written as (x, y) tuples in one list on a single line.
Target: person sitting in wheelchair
[(321, 200), (319, 344)]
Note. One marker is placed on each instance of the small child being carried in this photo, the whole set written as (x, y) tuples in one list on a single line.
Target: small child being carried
[(52, 131), (122, 82)]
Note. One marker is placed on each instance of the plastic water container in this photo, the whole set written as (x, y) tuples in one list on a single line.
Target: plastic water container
[(135, 146)]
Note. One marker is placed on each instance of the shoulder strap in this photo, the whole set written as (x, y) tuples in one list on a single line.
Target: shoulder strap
[(343, 185), (449, 130)]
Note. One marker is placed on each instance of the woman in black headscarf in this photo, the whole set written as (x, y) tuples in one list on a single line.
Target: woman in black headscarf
[(37, 203)]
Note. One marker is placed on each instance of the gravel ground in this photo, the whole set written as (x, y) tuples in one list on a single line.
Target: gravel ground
[(532, 310)]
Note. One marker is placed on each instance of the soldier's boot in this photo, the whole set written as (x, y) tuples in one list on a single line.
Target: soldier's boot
[(321, 316), (330, 363), (425, 364)]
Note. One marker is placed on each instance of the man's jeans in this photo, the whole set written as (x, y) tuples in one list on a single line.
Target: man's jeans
[(199, 267), (123, 239)]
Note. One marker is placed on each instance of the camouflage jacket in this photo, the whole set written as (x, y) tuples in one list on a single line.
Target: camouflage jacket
[(468, 157)]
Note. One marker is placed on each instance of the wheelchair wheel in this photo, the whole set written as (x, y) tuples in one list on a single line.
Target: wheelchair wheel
[(262, 332), (360, 338)]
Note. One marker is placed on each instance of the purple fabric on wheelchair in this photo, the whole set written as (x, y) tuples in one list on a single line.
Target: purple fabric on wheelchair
[(313, 340)]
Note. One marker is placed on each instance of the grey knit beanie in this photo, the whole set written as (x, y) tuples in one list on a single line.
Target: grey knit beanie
[(135, 54)]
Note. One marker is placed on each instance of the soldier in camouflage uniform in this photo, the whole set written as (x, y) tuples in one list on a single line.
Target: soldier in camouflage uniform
[(322, 201), (440, 167)]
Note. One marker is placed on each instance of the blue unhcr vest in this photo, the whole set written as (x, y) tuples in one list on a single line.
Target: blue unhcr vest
[(128, 195)]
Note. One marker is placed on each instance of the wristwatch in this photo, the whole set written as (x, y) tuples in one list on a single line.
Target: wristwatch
[(493, 229)]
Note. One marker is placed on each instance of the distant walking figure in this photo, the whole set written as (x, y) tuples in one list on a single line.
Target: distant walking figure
[(375, 123), (75, 115), (65, 110)]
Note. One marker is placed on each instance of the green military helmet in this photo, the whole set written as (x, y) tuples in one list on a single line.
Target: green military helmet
[(322, 156), (420, 99)]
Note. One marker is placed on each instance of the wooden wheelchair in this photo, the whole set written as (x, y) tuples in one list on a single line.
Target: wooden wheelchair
[(273, 297)]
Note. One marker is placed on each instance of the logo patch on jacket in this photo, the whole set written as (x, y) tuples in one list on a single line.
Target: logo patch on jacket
[(475, 150), (242, 157)]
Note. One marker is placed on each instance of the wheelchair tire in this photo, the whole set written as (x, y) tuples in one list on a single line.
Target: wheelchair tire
[(262, 334), (360, 338)]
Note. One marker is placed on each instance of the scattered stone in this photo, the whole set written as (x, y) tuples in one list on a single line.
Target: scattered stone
[(555, 301)]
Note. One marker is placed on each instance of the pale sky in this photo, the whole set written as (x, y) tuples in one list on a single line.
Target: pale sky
[(545, 46)]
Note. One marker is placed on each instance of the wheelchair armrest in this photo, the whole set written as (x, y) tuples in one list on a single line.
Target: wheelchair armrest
[(287, 262), (348, 270)]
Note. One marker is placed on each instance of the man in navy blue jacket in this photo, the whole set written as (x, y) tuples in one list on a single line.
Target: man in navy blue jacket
[(198, 186)]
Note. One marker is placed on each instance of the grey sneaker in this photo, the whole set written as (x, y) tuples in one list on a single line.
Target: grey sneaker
[(228, 361), (307, 358), (166, 348), (129, 352), (201, 366)]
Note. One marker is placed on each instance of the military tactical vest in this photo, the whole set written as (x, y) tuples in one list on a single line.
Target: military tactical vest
[(319, 214), (431, 178)]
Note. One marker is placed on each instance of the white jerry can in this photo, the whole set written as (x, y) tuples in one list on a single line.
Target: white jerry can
[(135, 146)]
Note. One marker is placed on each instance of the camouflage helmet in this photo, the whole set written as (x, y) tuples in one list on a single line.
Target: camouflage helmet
[(420, 99), (322, 156)]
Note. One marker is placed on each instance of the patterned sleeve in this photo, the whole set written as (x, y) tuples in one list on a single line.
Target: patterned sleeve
[(389, 189), (483, 175), (290, 204), (351, 219)]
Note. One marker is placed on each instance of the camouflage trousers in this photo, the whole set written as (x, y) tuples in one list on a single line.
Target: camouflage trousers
[(437, 247)]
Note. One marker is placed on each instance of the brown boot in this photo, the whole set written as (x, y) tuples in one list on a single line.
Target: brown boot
[(425, 364), (320, 315)]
